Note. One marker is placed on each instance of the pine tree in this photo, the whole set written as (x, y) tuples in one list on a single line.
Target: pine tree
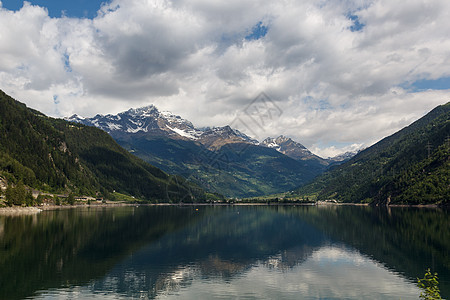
[(40, 199), (20, 193), (57, 200), (29, 200), (71, 199), (9, 195)]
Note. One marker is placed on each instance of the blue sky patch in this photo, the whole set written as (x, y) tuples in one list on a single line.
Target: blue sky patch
[(324, 105), (67, 66), (442, 83), (357, 26), (58, 8), (258, 31)]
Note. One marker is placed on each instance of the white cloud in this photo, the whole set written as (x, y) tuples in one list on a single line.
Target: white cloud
[(336, 87)]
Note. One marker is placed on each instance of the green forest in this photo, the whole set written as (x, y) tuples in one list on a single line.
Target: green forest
[(235, 170), (410, 167), (54, 156)]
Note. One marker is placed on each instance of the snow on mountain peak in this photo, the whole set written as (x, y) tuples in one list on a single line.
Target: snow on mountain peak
[(270, 142), (174, 119), (74, 118), (146, 111), (150, 120)]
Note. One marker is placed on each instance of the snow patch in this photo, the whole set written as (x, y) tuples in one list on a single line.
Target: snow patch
[(273, 145), (137, 129), (112, 126), (183, 133)]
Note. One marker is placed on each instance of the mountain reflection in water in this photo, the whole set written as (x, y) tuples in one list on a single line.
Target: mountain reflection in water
[(245, 252)]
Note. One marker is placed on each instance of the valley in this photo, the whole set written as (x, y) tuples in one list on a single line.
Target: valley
[(220, 159), (129, 156)]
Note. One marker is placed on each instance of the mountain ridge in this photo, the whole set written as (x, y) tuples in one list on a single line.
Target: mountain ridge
[(412, 166), (149, 119), (221, 159), (292, 149)]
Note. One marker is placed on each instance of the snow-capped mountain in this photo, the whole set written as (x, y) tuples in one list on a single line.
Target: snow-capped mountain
[(291, 148), (344, 156), (145, 119), (149, 120), (178, 147)]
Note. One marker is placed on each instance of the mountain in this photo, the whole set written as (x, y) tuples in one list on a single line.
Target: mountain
[(150, 121), (342, 157), (146, 119), (297, 151), (58, 156), (292, 149), (411, 166), (220, 159), (216, 137)]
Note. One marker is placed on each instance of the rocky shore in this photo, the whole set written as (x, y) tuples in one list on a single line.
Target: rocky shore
[(18, 210)]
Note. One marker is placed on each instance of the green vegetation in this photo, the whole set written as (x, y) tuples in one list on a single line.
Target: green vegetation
[(122, 197), (235, 170), (16, 195), (55, 156), (71, 199), (410, 167), (282, 198), (429, 284)]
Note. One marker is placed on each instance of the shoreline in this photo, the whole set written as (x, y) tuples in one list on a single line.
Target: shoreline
[(32, 210), (16, 211), (381, 206)]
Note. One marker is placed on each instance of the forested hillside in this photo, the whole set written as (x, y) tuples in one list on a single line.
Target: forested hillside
[(234, 170), (410, 167), (57, 156), (219, 159)]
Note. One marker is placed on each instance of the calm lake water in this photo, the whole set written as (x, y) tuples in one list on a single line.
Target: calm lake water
[(240, 252)]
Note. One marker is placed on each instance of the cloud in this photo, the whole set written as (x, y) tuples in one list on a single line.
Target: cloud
[(337, 84)]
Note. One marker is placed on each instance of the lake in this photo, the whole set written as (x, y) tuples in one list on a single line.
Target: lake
[(223, 252)]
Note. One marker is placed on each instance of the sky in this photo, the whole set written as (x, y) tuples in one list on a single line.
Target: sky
[(333, 75)]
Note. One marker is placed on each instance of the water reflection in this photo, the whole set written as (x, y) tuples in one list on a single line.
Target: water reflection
[(320, 276), (71, 247), (223, 253), (329, 273)]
